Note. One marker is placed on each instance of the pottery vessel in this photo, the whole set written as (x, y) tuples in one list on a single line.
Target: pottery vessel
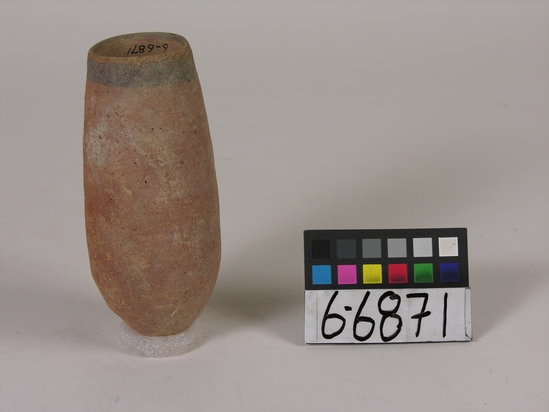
[(151, 200)]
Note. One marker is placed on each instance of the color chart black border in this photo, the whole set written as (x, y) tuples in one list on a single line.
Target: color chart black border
[(384, 234)]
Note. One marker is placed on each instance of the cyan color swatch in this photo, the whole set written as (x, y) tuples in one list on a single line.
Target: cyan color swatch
[(322, 275)]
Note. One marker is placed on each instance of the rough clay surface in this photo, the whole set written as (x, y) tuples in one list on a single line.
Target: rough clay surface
[(151, 202)]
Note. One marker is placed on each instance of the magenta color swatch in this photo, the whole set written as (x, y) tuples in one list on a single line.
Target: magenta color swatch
[(346, 274)]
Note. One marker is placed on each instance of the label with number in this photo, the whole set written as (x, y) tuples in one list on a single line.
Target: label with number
[(383, 316), (387, 286)]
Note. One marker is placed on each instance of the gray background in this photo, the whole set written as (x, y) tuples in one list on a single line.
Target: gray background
[(323, 115)]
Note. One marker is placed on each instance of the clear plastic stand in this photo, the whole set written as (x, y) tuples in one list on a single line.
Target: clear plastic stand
[(159, 346)]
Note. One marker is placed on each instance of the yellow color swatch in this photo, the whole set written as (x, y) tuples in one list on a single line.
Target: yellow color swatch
[(371, 274)]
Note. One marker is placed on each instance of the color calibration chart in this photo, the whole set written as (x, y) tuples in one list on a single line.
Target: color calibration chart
[(387, 286)]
